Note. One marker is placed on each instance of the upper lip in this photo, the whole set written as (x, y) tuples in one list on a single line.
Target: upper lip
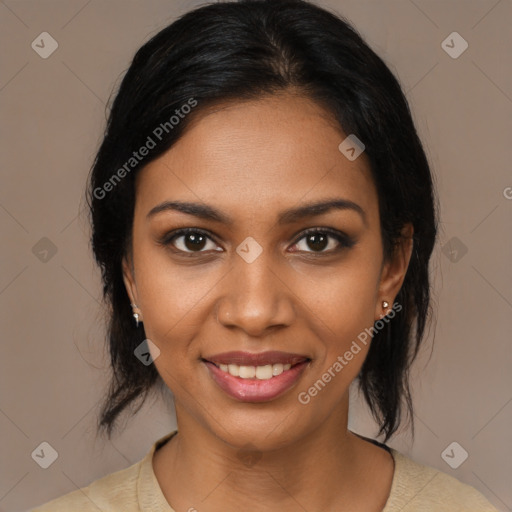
[(260, 359)]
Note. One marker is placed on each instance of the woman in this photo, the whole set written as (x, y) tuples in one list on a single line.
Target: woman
[(263, 214)]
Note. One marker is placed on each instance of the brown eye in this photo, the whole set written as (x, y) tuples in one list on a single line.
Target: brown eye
[(190, 241), (194, 242), (319, 239)]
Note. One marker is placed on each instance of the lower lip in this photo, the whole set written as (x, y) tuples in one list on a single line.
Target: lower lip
[(256, 390)]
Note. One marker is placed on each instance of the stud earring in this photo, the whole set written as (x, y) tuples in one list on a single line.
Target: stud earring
[(135, 314), (385, 304)]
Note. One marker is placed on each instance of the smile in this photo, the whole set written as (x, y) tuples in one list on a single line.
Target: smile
[(256, 377)]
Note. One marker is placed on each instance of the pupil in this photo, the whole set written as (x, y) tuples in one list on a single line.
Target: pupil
[(314, 243), (197, 241)]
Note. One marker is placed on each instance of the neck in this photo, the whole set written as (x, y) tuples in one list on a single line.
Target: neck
[(314, 471)]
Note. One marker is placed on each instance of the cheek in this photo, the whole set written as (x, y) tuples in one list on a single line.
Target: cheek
[(346, 296), (172, 314), (344, 307), (170, 296)]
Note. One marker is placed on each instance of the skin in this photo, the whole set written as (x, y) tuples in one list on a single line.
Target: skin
[(252, 160)]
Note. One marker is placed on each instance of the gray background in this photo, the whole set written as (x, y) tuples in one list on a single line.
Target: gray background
[(53, 367)]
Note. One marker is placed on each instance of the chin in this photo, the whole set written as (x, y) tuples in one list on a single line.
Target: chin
[(264, 430)]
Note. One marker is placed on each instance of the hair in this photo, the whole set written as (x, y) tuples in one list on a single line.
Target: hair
[(237, 51)]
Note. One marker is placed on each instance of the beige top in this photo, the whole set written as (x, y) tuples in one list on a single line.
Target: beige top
[(415, 488)]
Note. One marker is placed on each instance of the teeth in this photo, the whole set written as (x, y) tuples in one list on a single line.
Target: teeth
[(264, 372), (247, 372), (260, 372), (233, 369), (277, 369)]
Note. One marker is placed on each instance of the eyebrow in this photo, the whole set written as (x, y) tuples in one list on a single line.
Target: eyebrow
[(288, 216)]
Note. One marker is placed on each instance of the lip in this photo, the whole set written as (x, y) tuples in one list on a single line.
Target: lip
[(256, 390), (259, 359)]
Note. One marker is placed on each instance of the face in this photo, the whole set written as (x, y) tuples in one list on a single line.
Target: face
[(263, 284)]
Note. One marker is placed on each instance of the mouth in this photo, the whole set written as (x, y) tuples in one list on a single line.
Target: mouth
[(256, 377)]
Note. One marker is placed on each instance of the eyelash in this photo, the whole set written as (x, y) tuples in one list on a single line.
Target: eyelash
[(345, 242)]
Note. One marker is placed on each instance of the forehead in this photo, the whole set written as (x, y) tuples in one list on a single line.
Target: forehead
[(271, 152)]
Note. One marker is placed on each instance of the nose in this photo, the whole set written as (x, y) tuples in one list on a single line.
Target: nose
[(255, 296)]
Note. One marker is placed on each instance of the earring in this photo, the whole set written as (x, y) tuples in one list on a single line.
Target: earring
[(385, 305), (135, 314)]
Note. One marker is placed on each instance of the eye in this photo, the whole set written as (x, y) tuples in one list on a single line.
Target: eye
[(319, 239), (193, 240), (190, 240)]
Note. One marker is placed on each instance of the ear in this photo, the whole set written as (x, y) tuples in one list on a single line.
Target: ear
[(129, 279), (394, 270)]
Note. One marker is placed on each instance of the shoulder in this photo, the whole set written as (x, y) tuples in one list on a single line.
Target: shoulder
[(421, 488), (130, 490), (116, 491)]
